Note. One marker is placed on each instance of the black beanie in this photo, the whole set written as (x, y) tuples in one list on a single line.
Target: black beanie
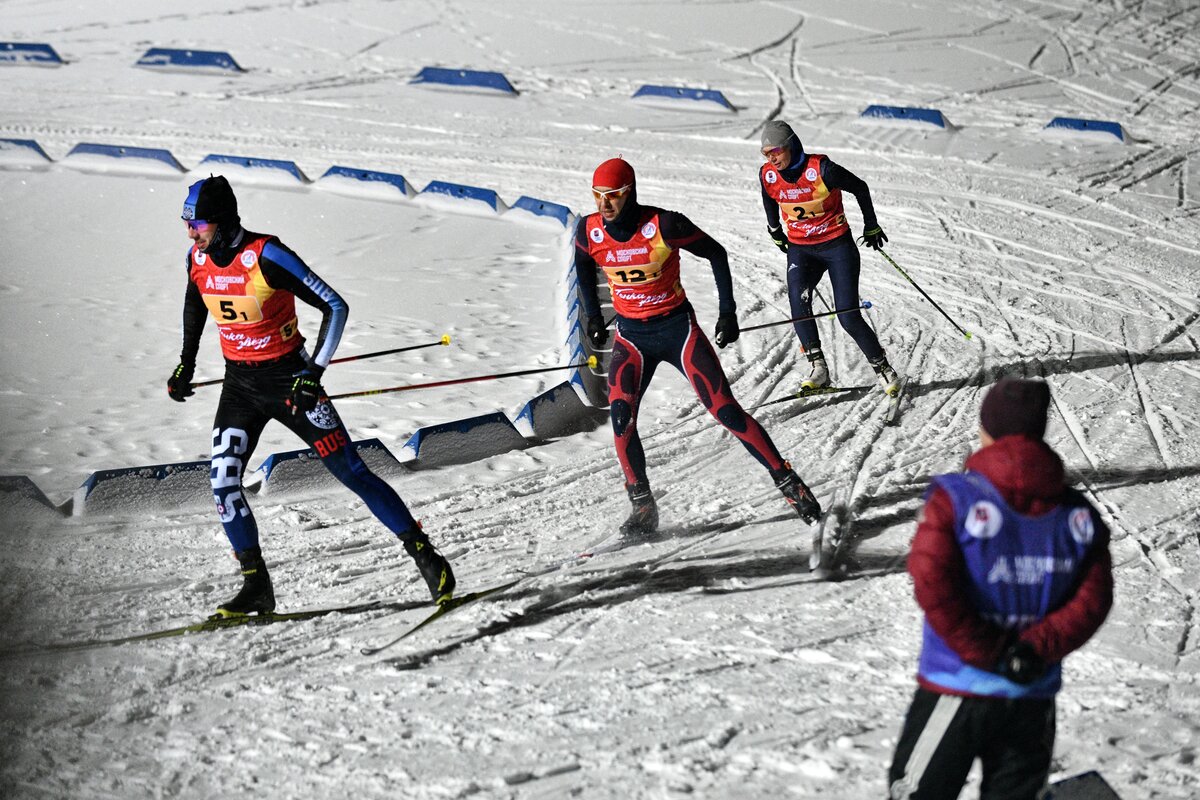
[(211, 200), (1016, 407)]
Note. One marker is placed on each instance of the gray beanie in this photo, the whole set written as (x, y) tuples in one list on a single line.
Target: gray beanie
[(778, 133)]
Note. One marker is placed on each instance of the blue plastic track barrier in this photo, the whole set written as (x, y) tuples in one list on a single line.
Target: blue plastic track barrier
[(557, 412), (133, 153), (465, 440), (302, 469), (1088, 126), (24, 147), (20, 493), (288, 167), (174, 58), (133, 490), (369, 176), (465, 79), (685, 95), (544, 208), (39, 55), (461, 192), (930, 116)]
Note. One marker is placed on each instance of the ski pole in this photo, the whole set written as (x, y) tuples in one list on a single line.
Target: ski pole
[(965, 333), (590, 362), (445, 340), (865, 304)]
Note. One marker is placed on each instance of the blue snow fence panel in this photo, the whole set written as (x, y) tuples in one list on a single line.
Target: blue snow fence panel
[(132, 490), (276, 460), (910, 113), (179, 58), (121, 151), (257, 163), (369, 176), (461, 192), (684, 93), (20, 493), (1088, 126), (557, 412), (40, 55), (465, 78), (18, 145), (544, 208), (465, 440)]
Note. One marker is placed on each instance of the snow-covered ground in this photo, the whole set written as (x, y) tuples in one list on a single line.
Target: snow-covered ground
[(707, 663)]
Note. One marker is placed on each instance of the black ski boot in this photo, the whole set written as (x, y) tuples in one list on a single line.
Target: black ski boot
[(799, 496), (434, 567), (256, 596), (643, 521)]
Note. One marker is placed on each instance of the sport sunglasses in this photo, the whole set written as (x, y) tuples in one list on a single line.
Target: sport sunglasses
[(615, 194)]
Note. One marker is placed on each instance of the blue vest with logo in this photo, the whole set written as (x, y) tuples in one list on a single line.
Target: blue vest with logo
[(1020, 568)]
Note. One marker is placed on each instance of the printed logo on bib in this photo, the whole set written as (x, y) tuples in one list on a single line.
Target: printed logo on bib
[(770, 177), (983, 520), (811, 173), (248, 259), (648, 230), (201, 258), (597, 235), (1080, 523)]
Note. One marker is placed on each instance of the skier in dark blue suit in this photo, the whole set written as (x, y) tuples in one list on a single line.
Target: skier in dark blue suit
[(249, 282)]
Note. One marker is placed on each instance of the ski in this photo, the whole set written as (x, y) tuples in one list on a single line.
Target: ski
[(891, 415), (820, 391), (821, 557), (216, 623), (448, 607)]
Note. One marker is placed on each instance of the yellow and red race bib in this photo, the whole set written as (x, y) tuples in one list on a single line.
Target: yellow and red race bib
[(643, 273), (812, 212), (256, 322)]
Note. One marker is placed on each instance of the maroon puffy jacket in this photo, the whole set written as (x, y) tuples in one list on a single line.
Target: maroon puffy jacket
[(1030, 477)]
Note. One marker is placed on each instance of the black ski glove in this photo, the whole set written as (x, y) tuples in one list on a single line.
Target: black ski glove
[(1020, 664), (727, 329), (597, 331), (778, 237), (306, 389), (874, 238), (179, 385)]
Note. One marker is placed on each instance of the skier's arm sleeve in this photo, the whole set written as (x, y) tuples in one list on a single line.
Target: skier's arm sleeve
[(285, 270), (1069, 626), (838, 177), (194, 313), (771, 207), (681, 232), (585, 272), (940, 582)]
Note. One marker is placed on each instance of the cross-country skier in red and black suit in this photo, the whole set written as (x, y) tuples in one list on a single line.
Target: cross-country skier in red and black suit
[(637, 247), (249, 283)]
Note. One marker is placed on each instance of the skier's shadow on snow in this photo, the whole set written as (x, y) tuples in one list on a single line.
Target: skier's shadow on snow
[(605, 590), (1040, 366)]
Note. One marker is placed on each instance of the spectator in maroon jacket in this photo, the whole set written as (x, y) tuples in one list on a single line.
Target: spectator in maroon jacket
[(1013, 572)]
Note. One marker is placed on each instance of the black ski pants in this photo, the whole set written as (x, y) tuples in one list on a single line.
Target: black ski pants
[(943, 735)]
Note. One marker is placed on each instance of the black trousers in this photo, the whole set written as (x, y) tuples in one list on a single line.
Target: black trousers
[(944, 734)]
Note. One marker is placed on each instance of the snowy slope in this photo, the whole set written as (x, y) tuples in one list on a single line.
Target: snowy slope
[(707, 663)]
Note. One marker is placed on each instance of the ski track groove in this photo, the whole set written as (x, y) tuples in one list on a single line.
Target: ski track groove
[(1149, 415)]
